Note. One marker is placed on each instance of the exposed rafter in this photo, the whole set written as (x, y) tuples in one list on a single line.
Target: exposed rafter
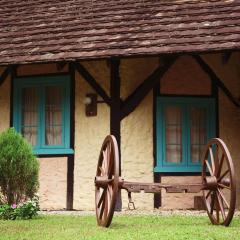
[(5, 74), (226, 57), (216, 80), (61, 65), (143, 89), (92, 82)]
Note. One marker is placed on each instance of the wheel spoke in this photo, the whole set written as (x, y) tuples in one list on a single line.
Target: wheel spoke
[(108, 156), (101, 198), (102, 171), (217, 206), (217, 212), (106, 206), (224, 199), (208, 194), (110, 191), (105, 160), (212, 159), (224, 186), (102, 208), (224, 174), (110, 164), (220, 166), (109, 198), (209, 168), (220, 204), (212, 203)]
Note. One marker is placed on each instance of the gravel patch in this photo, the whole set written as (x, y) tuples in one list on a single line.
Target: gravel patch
[(155, 212)]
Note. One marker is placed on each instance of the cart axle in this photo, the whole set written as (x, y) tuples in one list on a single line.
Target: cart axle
[(210, 183), (150, 187)]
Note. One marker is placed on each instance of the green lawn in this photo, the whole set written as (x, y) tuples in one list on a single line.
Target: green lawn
[(123, 227)]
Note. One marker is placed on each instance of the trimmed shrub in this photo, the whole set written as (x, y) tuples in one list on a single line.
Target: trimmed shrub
[(18, 168)]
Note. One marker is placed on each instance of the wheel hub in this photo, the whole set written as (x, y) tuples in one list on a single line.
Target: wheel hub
[(210, 183)]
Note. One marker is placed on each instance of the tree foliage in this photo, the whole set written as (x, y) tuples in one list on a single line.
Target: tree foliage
[(18, 168)]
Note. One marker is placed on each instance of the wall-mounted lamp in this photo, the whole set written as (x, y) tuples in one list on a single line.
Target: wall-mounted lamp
[(91, 102)]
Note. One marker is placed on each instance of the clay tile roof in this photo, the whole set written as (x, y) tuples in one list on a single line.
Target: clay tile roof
[(57, 30)]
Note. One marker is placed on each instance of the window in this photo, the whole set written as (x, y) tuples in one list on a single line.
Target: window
[(184, 126), (42, 113)]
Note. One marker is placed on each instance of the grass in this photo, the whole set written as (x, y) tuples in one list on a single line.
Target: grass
[(123, 227)]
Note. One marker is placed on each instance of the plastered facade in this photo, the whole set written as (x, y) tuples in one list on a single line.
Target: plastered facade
[(89, 134), (185, 77), (53, 183)]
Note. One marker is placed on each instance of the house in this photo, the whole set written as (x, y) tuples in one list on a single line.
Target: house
[(164, 77)]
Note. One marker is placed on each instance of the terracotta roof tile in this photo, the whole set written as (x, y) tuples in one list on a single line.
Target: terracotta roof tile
[(43, 30)]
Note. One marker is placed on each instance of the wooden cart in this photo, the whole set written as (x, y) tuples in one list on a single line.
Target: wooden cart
[(218, 183)]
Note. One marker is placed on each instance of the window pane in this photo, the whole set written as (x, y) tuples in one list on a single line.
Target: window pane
[(53, 115), (198, 132), (30, 114), (173, 128), (173, 153)]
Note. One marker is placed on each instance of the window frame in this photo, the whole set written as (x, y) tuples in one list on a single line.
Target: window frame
[(185, 103), (40, 83)]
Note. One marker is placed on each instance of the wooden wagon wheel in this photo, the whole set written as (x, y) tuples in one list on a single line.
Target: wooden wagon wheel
[(106, 181), (219, 191)]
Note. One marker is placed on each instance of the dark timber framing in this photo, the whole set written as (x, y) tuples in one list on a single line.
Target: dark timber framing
[(156, 176), (115, 111), (115, 106), (216, 80), (5, 74), (144, 88), (92, 82), (120, 109), (71, 158)]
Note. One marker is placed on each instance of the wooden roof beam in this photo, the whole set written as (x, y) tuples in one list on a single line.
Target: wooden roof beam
[(92, 82), (216, 80), (5, 74), (144, 88)]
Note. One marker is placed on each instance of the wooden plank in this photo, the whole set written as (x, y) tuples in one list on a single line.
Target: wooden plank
[(92, 82), (5, 74), (144, 88), (216, 80), (157, 187)]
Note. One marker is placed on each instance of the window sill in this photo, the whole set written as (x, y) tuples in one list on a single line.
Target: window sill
[(178, 169), (53, 151)]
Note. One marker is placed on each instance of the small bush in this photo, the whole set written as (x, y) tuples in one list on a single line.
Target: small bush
[(18, 169), (7, 212), (26, 210)]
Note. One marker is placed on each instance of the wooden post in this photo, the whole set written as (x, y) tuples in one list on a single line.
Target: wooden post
[(115, 108), (70, 182), (71, 158), (115, 114)]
